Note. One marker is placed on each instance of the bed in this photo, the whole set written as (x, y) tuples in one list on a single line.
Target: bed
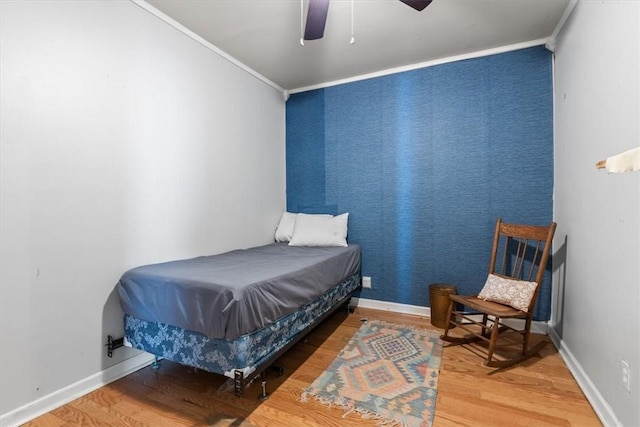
[(235, 313)]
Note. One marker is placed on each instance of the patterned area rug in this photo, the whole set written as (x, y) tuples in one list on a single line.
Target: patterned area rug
[(387, 372)]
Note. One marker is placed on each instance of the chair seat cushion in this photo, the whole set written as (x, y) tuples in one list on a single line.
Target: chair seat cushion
[(516, 293)]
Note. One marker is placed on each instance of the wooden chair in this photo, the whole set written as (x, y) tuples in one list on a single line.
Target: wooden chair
[(522, 251)]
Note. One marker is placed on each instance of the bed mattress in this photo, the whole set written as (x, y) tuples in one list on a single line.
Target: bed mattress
[(235, 293)]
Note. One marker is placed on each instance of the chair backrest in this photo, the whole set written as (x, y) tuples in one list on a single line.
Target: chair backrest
[(521, 252)]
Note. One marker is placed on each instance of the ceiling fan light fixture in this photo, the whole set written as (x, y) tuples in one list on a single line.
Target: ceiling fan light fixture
[(316, 19), (418, 5), (317, 11)]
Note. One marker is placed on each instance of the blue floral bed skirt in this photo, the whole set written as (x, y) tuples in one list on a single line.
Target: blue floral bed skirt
[(224, 357)]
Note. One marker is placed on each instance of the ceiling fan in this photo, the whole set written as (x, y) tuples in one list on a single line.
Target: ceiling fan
[(317, 16)]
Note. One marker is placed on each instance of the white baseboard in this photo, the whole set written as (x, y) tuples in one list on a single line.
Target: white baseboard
[(391, 306), (536, 327), (599, 404), (73, 391)]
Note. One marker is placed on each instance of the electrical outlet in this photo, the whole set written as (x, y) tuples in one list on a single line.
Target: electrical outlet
[(366, 282), (626, 375)]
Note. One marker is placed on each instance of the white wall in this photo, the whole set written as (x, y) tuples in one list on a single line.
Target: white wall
[(597, 245), (123, 142)]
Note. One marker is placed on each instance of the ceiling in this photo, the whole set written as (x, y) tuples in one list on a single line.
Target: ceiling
[(265, 34)]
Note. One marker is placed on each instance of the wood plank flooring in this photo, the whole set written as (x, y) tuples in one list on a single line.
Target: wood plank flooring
[(538, 392)]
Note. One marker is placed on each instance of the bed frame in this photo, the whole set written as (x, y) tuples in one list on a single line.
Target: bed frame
[(240, 380), (155, 338)]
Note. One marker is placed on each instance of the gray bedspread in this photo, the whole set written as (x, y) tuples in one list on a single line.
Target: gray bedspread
[(237, 292)]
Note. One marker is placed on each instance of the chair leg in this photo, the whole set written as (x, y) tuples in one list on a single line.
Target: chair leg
[(455, 340), (527, 332), (485, 330), (526, 351), (449, 310), (524, 356), (495, 330)]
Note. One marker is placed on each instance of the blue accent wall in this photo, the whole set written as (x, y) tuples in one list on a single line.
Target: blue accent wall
[(425, 161)]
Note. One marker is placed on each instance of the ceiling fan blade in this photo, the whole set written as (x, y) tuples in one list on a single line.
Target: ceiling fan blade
[(316, 19), (417, 4)]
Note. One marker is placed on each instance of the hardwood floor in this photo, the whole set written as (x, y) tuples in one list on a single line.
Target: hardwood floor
[(538, 392)]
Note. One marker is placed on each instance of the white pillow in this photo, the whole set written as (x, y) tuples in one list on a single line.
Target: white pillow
[(285, 227), (516, 293), (320, 230)]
